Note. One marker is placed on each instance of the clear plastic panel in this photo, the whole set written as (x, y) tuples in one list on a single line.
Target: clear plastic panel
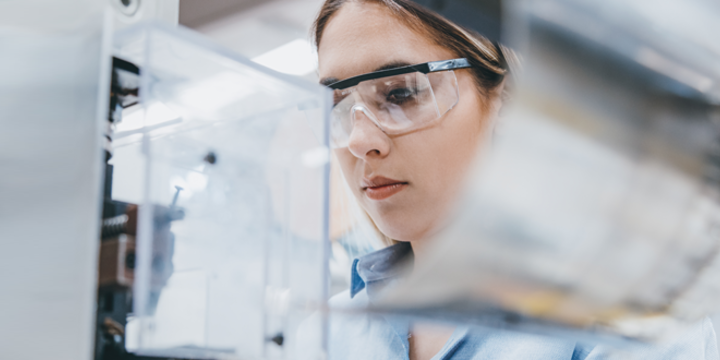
[(232, 232)]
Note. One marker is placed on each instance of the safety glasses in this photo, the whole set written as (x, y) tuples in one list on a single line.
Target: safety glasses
[(397, 101)]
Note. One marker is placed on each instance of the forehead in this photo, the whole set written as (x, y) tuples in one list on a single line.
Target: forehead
[(362, 37)]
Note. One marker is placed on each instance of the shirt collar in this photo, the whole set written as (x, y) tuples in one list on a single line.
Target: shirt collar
[(374, 270)]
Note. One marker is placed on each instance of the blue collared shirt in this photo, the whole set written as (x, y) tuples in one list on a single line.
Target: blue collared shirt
[(368, 336)]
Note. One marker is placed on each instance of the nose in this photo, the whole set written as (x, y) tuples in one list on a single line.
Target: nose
[(367, 140)]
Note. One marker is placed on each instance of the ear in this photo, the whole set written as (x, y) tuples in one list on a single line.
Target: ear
[(497, 105), (501, 97)]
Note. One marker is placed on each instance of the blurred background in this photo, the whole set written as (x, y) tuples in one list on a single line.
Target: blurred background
[(275, 33)]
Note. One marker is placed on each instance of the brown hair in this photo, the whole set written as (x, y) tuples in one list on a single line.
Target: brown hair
[(490, 61)]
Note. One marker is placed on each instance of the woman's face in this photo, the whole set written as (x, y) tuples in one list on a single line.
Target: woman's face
[(426, 166)]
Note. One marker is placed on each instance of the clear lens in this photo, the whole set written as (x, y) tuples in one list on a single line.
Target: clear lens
[(445, 89), (398, 104)]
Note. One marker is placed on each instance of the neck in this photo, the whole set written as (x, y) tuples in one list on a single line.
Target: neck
[(420, 253)]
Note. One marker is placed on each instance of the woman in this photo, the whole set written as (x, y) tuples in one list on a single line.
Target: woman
[(415, 95)]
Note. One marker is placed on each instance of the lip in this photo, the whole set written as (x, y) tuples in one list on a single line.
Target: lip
[(380, 188)]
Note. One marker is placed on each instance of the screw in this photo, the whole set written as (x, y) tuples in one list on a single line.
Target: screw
[(278, 339), (130, 261), (210, 158), (175, 198)]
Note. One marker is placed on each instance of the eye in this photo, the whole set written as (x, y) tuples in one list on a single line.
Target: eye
[(401, 95)]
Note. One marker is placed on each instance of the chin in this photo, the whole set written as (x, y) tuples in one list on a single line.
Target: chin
[(405, 232)]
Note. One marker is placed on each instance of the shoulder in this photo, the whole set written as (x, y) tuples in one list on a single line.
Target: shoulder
[(698, 342), (344, 327), (348, 318), (493, 343), (343, 301), (356, 334)]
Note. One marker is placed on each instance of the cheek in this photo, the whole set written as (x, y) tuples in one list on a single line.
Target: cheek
[(468, 124), (461, 133), (347, 162), (443, 154), (468, 130)]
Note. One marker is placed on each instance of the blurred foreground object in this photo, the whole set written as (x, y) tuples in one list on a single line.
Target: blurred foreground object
[(596, 207), (50, 176)]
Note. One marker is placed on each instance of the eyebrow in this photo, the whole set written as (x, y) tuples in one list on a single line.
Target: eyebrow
[(391, 65), (328, 80)]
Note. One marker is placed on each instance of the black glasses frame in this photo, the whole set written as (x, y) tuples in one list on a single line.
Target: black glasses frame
[(425, 68)]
